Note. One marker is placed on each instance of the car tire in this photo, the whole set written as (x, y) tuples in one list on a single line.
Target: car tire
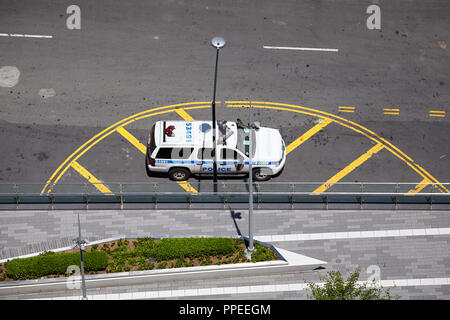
[(260, 175), (179, 174)]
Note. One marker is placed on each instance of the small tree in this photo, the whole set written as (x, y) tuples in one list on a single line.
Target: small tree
[(336, 288)]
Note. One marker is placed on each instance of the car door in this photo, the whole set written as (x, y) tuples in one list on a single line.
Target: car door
[(204, 160), (231, 161)]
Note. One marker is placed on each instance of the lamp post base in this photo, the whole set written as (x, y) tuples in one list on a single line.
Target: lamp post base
[(249, 252)]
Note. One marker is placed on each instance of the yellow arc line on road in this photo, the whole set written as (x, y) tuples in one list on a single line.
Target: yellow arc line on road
[(352, 166), (57, 174), (63, 167), (350, 125), (90, 177), (308, 134), (135, 142)]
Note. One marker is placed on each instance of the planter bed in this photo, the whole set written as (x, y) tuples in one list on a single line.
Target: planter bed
[(126, 255)]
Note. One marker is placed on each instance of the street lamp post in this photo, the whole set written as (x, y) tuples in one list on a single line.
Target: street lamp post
[(80, 243), (251, 126), (217, 42)]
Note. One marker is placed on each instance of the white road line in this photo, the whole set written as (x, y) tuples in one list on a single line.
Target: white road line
[(19, 35), (301, 49), (355, 234), (180, 293)]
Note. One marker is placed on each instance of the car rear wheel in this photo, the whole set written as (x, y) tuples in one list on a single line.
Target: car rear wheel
[(179, 174), (261, 174)]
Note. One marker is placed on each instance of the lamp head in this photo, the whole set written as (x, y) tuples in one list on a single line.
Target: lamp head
[(218, 42)]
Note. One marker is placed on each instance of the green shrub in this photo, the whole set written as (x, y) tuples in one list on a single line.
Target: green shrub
[(179, 263), (207, 261), (167, 249), (132, 261), (52, 263), (263, 253)]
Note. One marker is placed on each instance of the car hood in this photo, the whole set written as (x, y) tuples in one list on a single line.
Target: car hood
[(269, 145)]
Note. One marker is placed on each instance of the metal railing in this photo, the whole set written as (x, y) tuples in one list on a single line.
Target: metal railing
[(228, 192)]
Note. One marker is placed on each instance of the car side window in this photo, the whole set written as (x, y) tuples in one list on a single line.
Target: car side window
[(205, 153), (164, 153), (174, 153), (230, 154)]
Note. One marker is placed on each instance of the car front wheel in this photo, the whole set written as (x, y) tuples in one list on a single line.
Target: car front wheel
[(261, 174)]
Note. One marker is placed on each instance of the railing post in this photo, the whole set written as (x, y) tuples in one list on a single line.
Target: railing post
[(52, 197), (396, 196), (361, 196), (258, 194), (16, 190), (224, 194), (155, 189), (431, 197), (292, 195), (86, 195), (121, 196), (190, 199)]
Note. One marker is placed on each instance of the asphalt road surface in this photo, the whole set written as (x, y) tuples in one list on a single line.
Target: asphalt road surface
[(133, 56), (374, 108)]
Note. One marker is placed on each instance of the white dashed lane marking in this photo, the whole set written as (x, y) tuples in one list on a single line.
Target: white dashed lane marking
[(301, 49), (19, 35)]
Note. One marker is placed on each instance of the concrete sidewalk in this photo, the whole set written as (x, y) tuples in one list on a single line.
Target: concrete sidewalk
[(400, 244), (23, 232)]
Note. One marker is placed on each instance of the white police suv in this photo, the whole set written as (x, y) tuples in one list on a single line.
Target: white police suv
[(182, 148)]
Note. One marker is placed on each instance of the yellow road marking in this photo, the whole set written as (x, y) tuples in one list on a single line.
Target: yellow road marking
[(422, 184), (391, 111), (352, 126), (184, 115), (187, 186), (63, 167), (436, 113), (184, 184), (346, 109), (135, 142), (352, 166), (90, 177), (308, 134)]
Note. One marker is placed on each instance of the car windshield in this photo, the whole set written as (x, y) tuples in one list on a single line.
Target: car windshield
[(243, 141)]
